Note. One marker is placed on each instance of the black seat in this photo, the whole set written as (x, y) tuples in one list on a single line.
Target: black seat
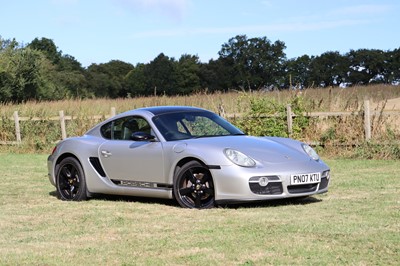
[(129, 127)]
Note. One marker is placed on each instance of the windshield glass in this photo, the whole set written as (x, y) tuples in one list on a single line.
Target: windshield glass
[(198, 124)]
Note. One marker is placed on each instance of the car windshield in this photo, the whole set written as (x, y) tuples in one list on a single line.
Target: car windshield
[(197, 124)]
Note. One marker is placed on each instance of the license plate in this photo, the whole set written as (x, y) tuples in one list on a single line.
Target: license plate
[(301, 179)]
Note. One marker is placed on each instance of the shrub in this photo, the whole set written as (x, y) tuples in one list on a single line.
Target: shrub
[(268, 117)]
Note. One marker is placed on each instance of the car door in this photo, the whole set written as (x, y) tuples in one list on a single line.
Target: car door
[(128, 160)]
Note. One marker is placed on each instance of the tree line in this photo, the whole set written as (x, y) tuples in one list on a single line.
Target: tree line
[(40, 71)]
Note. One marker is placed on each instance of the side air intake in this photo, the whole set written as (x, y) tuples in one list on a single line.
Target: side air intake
[(95, 162)]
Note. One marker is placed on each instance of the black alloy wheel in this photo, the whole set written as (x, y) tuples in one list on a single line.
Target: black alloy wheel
[(70, 180), (194, 187)]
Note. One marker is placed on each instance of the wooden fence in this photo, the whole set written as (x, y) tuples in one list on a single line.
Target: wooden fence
[(367, 112)]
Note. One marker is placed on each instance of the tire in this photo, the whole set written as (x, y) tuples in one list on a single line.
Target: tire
[(70, 180), (194, 187)]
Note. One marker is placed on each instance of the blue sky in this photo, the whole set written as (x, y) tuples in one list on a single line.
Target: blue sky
[(136, 31)]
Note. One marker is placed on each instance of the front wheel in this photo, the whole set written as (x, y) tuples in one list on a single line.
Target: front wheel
[(194, 187), (70, 180)]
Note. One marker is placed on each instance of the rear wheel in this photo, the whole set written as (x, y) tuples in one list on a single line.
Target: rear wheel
[(70, 180), (194, 187)]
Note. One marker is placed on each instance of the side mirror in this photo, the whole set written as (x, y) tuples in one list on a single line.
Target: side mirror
[(142, 136)]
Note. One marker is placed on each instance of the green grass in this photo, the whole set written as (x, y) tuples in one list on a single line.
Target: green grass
[(356, 222)]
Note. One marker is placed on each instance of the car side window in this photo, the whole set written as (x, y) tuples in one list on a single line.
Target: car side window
[(122, 128)]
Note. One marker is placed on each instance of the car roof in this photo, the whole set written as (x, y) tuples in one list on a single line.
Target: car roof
[(157, 110), (147, 111)]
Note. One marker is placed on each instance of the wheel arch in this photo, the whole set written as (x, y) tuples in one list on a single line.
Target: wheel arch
[(62, 157), (182, 162), (65, 155), (188, 159)]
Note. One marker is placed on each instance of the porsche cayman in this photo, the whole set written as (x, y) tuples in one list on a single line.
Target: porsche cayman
[(184, 153)]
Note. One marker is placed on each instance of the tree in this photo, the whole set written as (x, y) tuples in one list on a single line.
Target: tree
[(7, 49), (48, 47), (257, 61), (393, 75), (187, 74), (68, 72), (298, 72), (108, 80), (9, 45), (161, 74), (136, 81), (328, 69), (25, 74), (5, 86), (71, 75), (367, 66), (218, 75)]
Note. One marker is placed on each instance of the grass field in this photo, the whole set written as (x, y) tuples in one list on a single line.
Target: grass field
[(357, 222)]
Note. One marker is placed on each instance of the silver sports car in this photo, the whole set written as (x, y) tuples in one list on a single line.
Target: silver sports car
[(186, 153)]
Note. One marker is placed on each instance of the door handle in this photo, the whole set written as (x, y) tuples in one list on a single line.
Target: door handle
[(106, 153)]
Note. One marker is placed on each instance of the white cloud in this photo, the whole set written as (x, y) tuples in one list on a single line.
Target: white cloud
[(282, 27), (173, 9), (362, 10), (267, 3), (64, 2)]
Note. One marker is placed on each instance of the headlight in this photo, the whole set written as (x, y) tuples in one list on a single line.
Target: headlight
[(239, 158), (310, 151)]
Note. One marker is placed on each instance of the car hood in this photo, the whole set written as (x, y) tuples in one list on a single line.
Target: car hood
[(262, 149)]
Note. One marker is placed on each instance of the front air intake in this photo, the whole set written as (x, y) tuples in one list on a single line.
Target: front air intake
[(272, 185)]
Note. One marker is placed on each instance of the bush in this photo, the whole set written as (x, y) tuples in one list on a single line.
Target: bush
[(372, 150), (268, 117)]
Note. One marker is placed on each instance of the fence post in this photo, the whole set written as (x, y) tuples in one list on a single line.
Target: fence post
[(62, 121), (367, 120), (289, 119), (113, 112), (17, 128)]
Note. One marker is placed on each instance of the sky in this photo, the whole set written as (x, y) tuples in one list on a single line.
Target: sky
[(137, 31)]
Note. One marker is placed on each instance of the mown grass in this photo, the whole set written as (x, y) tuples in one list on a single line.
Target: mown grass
[(356, 223)]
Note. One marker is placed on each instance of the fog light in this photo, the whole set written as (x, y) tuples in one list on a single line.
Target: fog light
[(326, 174), (263, 181)]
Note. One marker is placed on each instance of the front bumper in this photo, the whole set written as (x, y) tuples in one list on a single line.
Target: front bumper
[(50, 172), (233, 183)]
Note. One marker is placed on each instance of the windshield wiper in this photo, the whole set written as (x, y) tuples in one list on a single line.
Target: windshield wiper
[(212, 136)]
